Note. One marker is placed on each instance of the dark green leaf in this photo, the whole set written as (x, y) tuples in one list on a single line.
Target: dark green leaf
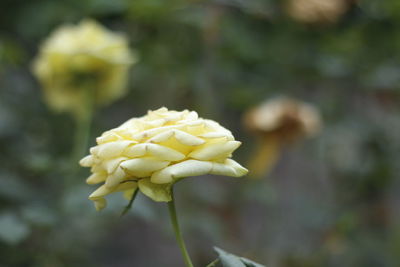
[(230, 260), (250, 263)]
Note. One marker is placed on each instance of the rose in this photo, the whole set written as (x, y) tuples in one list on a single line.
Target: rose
[(83, 62), (153, 152), (277, 123)]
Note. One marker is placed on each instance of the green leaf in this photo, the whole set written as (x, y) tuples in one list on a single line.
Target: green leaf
[(230, 260), (250, 263)]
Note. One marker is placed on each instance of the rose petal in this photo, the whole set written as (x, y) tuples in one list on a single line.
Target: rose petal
[(240, 170), (98, 168), (190, 123), (155, 150), (214, 151), (112, 149), (125, 186), (218, 134), (155, 131), (115, 178), (100, 203), (100, 192), (192, 116), (213, 125), (156, 123), (182, 137), (97, 177), (182, 169), (112, 164), (173, 117), (104, 190), (157, 192), (142, 167), (129, 193), (108, 137), (87, 161)]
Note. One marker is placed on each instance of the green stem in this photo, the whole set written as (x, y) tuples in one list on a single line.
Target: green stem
[(83, 125), (177, 231), (213, 263)]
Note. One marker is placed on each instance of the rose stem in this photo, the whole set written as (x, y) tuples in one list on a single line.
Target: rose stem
[(83, 125), (177, 231)]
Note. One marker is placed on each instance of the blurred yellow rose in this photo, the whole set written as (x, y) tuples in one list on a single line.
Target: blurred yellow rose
[(80, 63), (155, 151)]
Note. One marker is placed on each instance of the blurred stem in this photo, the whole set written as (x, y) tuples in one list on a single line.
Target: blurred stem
[(213, 263), (265, 157), (177, 231), (83, 125)]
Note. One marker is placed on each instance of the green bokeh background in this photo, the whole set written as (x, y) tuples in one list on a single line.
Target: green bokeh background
[(330, 201)]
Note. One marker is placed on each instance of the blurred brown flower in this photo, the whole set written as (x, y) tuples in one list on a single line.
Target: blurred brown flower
[(278, 122), (317, 11)]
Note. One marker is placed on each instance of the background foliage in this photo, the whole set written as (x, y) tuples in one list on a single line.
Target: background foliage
[(330, 201)]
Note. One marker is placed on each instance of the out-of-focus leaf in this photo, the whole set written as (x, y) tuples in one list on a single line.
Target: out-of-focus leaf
[(250, 263), (230, 260), (12, 229)]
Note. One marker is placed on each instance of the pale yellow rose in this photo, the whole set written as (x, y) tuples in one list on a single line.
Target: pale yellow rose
[(153, 152), (83, 62)]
